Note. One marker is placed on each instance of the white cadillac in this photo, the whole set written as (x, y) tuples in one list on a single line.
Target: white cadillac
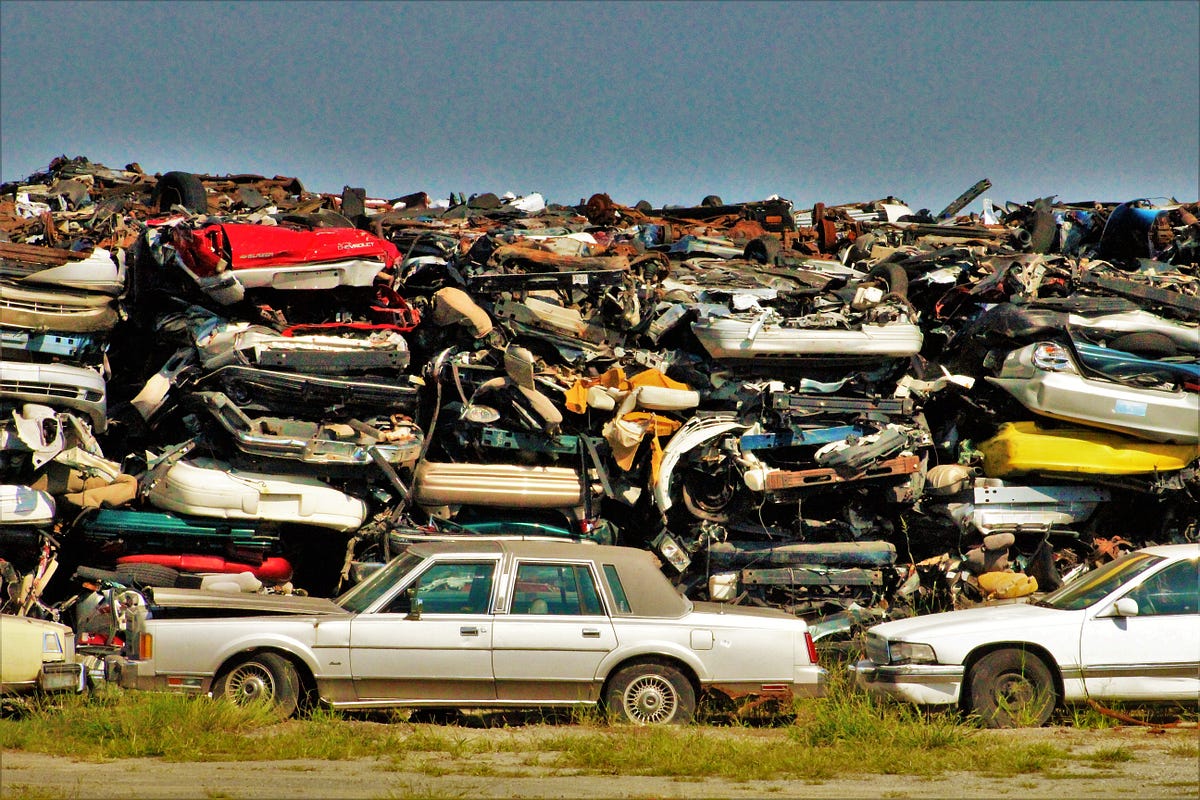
[(1129, 630)]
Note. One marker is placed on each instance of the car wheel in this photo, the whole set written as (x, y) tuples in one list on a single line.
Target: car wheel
[(261, 678), (182, 189), (649, 693), (147, 574), (1150, 344), (1012, 688)]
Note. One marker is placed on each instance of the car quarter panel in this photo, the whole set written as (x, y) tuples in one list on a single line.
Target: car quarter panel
[(726, 648)]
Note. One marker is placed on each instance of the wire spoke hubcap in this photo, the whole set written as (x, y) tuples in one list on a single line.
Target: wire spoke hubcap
[(650, 699), (249, 683)]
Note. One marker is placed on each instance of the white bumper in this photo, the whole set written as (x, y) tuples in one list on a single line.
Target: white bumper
[(923, 684)]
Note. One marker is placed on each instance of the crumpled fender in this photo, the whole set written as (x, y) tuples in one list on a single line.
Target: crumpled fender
[(695, 432)]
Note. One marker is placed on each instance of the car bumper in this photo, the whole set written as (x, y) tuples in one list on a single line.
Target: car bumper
[(924, 684), (810, 681), (133, 674), (62, 677)]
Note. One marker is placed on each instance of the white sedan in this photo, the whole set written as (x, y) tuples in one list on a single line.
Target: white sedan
[(481, 624), (1129, 630)]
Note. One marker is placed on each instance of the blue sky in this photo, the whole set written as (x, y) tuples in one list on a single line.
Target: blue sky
[(667, 102)]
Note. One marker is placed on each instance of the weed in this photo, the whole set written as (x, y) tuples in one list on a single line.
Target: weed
[(1186, 749), (1088, 718), (1108, 756), (1022, 759), (25, 791)]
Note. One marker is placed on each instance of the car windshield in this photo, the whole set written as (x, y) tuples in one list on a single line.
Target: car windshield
[(1091, 586), (360, 597)]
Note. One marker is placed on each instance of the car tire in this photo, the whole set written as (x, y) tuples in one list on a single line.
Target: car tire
[(1148, 344), (261, 677), (762, 249), (894, 276), (651, 693), (182, 189), (147, 574), (1012, 688)]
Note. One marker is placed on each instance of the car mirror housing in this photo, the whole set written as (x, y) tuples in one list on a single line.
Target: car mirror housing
[(1125, 607), (414, 603)]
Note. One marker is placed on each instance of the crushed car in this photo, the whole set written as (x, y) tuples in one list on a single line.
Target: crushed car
[(847, 412)]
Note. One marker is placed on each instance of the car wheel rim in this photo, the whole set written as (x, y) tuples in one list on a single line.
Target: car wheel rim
[(249, 683), (1014, 692), (650, 699)]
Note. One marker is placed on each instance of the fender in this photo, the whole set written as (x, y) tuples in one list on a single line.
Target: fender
[(171, 634), (695, 432), (654, 650), (273, 641)]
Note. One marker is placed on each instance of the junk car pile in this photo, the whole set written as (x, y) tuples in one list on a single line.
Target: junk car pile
[(839, 411)]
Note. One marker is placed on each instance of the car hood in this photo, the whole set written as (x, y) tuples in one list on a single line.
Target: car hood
[(1017, 619), (241, 601)]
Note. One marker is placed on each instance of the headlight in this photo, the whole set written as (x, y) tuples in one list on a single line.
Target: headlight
[(1053, 358), (910, 653)]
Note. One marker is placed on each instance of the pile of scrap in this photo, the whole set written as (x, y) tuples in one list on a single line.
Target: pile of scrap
[(842, 411)]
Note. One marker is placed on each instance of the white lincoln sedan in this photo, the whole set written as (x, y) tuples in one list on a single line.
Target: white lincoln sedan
[(478, 624), (1129, 630)]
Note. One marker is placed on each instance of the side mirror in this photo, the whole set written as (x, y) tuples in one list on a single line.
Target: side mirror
[(1125, 607), (414, 603)]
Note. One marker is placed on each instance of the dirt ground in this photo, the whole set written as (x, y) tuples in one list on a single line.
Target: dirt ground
[(1157, 769)]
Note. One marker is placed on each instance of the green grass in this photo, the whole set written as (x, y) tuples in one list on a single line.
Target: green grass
[(843, 734), (1109, 756)]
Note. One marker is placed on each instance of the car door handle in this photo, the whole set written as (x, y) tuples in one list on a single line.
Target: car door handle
[(591, 633), (469, 630)]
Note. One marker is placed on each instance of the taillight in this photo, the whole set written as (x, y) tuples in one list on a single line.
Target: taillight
[(145, 646), (812, 647)]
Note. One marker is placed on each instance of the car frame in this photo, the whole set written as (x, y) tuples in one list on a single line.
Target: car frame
[(409, 636), (1107, 635)]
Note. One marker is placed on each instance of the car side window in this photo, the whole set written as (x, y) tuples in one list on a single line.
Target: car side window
[(618, 591), (563, 589), (1174, 590), (451, 587)]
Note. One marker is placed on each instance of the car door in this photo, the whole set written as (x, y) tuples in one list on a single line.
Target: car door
[(1154, 654), (556, 632), (433, 640)]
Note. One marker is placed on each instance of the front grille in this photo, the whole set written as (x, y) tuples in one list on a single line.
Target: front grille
[(50, 390)]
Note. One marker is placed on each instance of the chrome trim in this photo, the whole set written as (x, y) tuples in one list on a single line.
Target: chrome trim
[(1184, 669), (908, 673)]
